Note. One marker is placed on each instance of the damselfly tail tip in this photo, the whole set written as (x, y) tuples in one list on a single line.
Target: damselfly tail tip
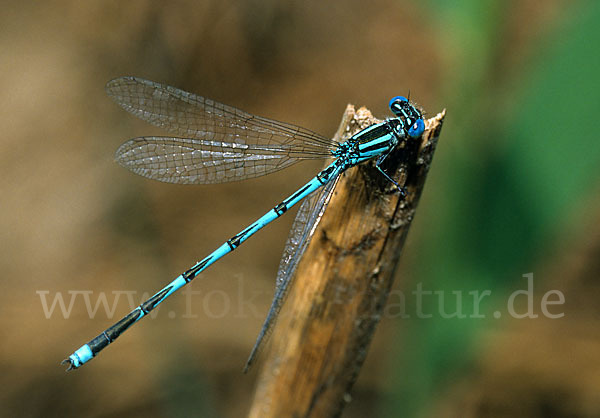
[(65, 361)]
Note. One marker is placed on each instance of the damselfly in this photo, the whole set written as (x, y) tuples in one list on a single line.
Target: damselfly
[(216, 143)]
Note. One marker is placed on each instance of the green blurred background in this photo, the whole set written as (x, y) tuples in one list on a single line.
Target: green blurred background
[(513, 190)]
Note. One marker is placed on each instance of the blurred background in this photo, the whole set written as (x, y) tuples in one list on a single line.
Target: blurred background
[(511, 203)]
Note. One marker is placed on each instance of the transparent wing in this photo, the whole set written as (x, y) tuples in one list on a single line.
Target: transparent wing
[(190, 115), (303, 228), (196, 161)]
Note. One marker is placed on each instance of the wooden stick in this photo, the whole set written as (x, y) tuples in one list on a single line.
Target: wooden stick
[(342, 282)]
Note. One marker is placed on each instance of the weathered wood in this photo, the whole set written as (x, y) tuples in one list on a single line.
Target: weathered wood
[(342, 283)]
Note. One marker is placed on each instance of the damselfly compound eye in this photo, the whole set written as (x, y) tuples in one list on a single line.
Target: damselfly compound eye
[(417, 129), (396, 104)]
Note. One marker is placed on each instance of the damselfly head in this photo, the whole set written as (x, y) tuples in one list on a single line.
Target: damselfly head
[(410, 115)]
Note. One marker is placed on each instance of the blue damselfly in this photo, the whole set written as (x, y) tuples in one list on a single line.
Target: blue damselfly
[(216, 143)]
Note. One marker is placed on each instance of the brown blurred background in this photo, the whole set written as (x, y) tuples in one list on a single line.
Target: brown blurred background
[(513, 190)]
